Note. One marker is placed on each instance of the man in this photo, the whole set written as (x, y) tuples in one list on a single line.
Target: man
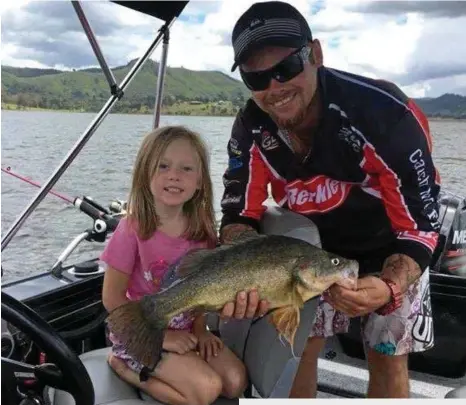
[(353, 155)]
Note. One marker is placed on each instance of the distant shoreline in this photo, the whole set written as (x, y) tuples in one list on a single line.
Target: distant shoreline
[(445, 119), (214, 109), (169, 111)]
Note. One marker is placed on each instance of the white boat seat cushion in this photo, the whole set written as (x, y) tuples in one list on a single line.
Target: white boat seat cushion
[(109, 388)]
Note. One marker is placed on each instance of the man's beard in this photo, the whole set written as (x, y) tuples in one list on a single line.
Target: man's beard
[(290, 124)]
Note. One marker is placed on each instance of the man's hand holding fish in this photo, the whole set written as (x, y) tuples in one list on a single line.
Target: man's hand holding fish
[(247, 305), (371, 294)]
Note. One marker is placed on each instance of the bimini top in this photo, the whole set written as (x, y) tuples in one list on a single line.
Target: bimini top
[(164, 10)]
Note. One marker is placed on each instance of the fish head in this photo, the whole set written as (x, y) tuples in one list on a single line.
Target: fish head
[(319, 270)]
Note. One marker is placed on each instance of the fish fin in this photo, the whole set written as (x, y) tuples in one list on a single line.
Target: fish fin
[(286, 321), (283, 342), (191, 262), (247, 237), (140, 338)]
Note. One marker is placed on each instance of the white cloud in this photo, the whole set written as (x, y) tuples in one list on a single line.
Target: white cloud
[(413, 48), (6, 5)]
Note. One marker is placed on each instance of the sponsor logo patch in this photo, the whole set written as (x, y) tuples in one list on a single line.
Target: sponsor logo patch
[(234, 147), (351, 138), (459, 237), (234, 163), (268, 142), (320, 194), (231, 199)]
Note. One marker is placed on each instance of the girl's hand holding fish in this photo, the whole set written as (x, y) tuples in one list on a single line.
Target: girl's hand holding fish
[(209, 345), (179, 341)]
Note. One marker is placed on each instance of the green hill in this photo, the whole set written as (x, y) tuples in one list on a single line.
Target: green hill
[(445, 106), (88, 90), (185, 92)]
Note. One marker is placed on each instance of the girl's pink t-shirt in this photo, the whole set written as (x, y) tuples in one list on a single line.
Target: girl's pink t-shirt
[(145, 261)]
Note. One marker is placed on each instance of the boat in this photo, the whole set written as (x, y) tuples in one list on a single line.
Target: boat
[(54, 343)]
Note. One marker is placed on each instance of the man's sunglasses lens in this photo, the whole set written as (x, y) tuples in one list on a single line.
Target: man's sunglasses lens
[(256, 81), (286, 70)]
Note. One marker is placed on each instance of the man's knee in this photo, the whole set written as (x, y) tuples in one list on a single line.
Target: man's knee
[(388, 375), (386, 364)]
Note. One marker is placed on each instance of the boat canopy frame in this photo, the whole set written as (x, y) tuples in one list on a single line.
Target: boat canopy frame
[(168, 12)]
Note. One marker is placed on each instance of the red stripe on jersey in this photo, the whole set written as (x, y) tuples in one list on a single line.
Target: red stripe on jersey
[(256, 189), (395, 205)]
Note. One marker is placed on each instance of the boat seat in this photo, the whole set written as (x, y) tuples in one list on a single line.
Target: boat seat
[(457, 393), (109, 388), (267, 359)]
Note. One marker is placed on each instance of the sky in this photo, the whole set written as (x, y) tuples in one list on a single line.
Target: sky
[(420, 45)]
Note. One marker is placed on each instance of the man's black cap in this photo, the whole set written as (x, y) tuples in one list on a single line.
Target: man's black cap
[(271, 23)]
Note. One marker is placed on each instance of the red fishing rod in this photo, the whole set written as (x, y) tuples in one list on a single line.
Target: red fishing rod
[(85, 204), (104, 221), (63, 197)]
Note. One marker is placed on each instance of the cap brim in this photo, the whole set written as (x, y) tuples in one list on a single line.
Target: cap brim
[(291, 42)]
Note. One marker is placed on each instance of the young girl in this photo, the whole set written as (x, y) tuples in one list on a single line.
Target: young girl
[(170, 212)]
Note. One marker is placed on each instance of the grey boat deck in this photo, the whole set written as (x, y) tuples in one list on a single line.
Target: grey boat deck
[(351, 374)]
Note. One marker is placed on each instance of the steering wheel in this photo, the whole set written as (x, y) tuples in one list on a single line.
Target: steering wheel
[(67, 373)]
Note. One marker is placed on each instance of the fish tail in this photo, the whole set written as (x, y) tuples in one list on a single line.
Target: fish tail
[(141, 338)]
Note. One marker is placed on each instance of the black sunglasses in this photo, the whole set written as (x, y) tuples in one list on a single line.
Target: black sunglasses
[(285, 70)]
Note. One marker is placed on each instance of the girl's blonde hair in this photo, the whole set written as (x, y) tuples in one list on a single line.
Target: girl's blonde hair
[(198, 210)]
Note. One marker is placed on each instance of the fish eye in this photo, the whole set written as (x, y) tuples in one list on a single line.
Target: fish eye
[(335, 262)]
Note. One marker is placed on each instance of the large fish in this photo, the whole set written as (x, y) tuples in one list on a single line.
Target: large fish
[(286, 272)]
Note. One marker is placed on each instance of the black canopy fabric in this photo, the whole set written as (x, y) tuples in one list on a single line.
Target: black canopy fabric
[(164, 10)]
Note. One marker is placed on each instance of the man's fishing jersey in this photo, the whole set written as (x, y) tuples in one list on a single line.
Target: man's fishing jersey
[(368, 182)]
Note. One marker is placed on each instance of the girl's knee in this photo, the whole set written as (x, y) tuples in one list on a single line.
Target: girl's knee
[(235, 382), (118, 365), (206, 389)]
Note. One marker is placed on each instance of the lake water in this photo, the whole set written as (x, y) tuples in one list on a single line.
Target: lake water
[(35, 143)]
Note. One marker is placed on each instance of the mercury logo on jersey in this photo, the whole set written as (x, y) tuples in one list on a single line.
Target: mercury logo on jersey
[(320, 194)]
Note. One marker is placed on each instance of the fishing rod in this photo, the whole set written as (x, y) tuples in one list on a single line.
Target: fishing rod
[(25, 179), (104, 221), (84, 204)]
